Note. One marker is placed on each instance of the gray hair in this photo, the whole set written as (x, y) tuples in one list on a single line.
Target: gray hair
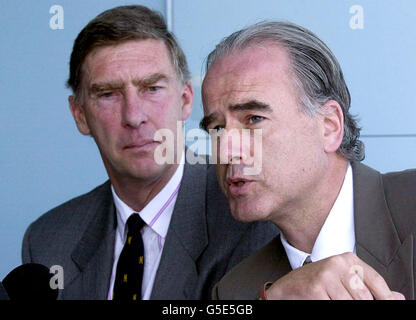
[(316, 72)]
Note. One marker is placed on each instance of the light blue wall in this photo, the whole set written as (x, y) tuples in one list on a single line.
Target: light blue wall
[(378, 60), (45, 161)]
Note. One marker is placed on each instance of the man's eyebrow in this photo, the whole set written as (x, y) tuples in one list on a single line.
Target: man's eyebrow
[(111, 85), (252, 105), (102, 86), (207, 120), (149, 80)]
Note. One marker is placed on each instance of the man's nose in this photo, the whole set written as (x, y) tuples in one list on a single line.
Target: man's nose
[(231, 146), (134, 109)]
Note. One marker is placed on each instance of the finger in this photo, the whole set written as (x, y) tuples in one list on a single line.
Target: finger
[(296, 291), (376, 284), (356, 287), (371, 279), (337, 291), (398, 296), (297, 285), (345, 282), (323, 284)]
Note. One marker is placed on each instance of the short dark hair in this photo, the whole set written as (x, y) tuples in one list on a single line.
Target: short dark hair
[(118, 25)]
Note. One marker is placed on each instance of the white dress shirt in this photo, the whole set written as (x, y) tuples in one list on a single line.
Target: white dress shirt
[(156, 214), (337, 235)]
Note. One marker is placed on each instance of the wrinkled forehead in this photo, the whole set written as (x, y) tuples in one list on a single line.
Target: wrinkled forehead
[(147, 56), (243, 74)]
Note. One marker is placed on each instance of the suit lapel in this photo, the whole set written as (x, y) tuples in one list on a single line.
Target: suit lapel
[(94, 253), (377, 241), (268, 264), (186, 239), (275, 261)]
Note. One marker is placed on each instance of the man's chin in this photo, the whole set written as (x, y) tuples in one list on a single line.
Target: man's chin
[(242, 213), (249, 209), (145, 169), (151, 171)]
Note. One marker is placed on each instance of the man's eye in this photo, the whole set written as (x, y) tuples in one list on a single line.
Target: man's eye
[(255, 119), (106, 94), (218, 128), (153, 88)]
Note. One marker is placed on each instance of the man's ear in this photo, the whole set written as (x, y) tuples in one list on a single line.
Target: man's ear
[(79, 116), (333, 125), (187, 100)]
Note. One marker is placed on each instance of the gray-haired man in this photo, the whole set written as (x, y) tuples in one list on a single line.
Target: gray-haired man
[(355, 224)]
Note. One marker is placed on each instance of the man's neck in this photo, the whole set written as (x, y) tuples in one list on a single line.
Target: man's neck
[(302, 225), (137, 193)]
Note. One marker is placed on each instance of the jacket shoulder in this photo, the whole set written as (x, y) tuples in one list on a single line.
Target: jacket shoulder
[(401, 181), (62, 225), (400, 193), (73, 211)]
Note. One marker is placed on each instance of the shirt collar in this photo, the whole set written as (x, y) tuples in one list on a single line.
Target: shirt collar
[(158, 212), (295, 256), (337, 235)]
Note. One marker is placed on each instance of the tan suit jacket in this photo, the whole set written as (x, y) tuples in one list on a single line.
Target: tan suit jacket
[(385, 226)]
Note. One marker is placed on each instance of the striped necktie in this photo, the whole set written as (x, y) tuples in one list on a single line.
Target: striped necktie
[(128, 283)]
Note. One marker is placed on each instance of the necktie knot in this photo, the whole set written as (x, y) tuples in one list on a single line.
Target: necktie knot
[(134, 223)]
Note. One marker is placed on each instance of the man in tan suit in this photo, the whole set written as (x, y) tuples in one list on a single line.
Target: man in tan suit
[(353, 223)]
